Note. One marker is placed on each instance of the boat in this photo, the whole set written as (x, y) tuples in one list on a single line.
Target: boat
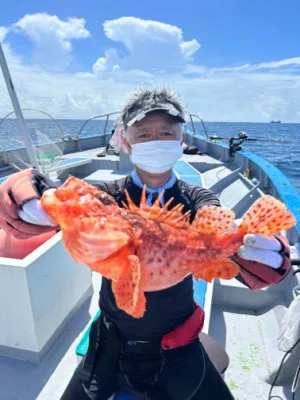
[(243, 322), (48, 301), (275, 122)]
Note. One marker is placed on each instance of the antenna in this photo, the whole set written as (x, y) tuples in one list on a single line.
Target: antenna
[(18, 111)]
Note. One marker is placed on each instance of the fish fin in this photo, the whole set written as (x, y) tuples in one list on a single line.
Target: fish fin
[(223, 269), (267, 216), (128, 294), (130, 204), (95, 240), (143, 202), (213, 220), (174, 217), (112, 267)]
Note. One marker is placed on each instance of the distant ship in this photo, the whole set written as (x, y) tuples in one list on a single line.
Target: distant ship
[(275, 122)]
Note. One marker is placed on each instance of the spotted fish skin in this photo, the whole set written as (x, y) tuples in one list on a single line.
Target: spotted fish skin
[(153, 248)]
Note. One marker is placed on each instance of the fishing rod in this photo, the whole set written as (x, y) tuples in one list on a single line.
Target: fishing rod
[(236, 142), (20, 118), (255, 140)]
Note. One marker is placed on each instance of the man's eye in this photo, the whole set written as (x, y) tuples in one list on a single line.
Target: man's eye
[(166, 134)]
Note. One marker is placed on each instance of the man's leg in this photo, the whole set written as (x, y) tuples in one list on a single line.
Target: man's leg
[(76, 391), (188, 374), (95, 377)]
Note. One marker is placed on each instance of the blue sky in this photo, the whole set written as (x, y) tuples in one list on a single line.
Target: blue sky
[(229, 60)]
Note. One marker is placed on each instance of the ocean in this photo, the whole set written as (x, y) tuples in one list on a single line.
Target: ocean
[(285, 156)]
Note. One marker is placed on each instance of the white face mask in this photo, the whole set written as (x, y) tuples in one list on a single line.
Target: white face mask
[(156, 156)]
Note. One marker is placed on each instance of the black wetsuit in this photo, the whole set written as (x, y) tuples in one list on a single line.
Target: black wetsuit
[(179, 374)]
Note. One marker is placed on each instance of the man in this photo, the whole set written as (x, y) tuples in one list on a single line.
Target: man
[(126, 352)]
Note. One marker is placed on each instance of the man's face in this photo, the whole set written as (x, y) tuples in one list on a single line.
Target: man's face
[(156, 126)]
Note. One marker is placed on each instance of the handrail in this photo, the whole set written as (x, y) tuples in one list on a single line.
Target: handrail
[(202, 123), (118, 112), (98, 116)]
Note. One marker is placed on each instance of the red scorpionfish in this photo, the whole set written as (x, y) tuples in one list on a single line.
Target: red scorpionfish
[(147, 248)]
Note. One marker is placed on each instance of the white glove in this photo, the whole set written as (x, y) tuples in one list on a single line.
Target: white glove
[(262, 249), (33, 213)]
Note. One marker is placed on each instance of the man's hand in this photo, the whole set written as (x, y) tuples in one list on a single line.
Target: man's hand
[(33, 213), (19, 189), (265, 250)]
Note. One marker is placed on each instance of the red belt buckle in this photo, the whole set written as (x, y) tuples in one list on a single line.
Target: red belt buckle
[(185, 332)]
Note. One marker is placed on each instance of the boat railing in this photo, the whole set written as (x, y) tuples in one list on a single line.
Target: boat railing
[(202, 123), (105, 117)]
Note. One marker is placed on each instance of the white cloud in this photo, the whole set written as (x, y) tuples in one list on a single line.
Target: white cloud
[(10, 56), (155, 54), (62, 95), (189, 48), (226, 97), (152, 46), (51, 37), (288, 64), (3, 33), (242, 96)]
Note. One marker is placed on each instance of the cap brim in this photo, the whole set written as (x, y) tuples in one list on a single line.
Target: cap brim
[(142, 115)]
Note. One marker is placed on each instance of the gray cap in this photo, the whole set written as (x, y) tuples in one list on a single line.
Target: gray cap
[(145, 101)]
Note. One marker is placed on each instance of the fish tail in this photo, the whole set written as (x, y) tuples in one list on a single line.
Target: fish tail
[(267, 216)]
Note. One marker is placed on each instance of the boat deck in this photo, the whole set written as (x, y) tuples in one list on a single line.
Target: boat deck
[(92, 153), (250, 344)]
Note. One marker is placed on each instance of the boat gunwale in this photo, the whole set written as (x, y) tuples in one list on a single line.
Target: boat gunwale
[(286, 190)]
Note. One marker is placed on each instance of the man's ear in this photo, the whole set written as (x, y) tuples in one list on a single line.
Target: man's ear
[(127, 145)]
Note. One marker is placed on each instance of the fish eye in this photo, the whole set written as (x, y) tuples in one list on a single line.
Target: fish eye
[(106, 199)]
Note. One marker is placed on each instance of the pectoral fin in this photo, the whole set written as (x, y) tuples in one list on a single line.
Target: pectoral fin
[(128, 294), (223, 269), (267, 216)]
